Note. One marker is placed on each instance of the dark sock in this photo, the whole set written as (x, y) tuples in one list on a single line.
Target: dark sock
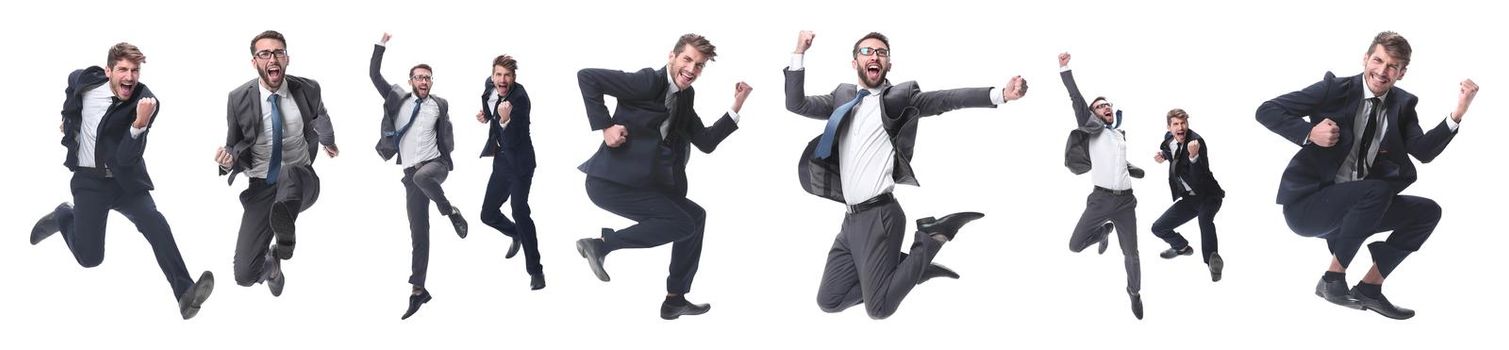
[(1331, 276), (1369, 289), (676, 300)]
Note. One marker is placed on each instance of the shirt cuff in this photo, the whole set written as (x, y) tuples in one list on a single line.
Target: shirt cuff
[(1063, 69), (733, 115), (796, 62), (504, 125), (136, 133), (1194, 159), (382, 44), (1452, 124), (996, 97)]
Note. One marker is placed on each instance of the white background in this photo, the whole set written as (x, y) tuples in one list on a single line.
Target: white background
[(766, 239)]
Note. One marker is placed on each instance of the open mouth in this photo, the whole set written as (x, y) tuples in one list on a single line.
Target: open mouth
[(125, 89), (274, 73), (872, 71), (688, 77), (501, 88)]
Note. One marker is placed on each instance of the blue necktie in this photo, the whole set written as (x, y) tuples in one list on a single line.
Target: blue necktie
[(825, 144), (276, 164), (412, 117)]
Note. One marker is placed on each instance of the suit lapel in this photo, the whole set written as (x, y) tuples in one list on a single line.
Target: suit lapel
[(252, 98)]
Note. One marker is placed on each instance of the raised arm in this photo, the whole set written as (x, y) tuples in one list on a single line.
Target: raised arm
[(375, 68), (134, 145), (797, 101), (1082, 112)]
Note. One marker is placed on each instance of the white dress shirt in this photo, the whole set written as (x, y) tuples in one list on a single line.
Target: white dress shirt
[(418, 144), (295, 149)]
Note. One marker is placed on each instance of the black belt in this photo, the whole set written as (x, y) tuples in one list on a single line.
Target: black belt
[(99, 171), (882, 199), (1114, 192)]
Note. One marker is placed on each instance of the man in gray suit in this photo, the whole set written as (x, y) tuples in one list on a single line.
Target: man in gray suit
[(417, 128), (865, 150), (1098, 147), (273, 125)]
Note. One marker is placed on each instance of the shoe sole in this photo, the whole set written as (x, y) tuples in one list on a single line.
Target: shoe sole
[(202, 290), (676, 316), (597, 269), (1216, 265), (284, 230), (513, 249)]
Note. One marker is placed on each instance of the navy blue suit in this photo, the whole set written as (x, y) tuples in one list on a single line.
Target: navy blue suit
[(513, 172), (1202, 200)]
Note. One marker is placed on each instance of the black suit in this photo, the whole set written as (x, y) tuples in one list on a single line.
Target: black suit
[(644, 179), (513, 172), (1345, 214), (117, 181), (865, 264), (1202, 199)]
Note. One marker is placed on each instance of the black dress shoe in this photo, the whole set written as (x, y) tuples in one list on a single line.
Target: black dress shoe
[(283, 230), (1381, 305), (188, 304), (1336, 292), (672, 310), (416, 300), (1136, 304), (536, 282), (273, 271), (937, 270), (591, 248), (1171, 253), (1105, 237), (513, 249), (1216, 264), (458, 222), (47, 225), (948, 225)]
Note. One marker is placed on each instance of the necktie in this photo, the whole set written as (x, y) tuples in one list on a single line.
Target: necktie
[(405, 130), (1368, 132), (669, 124), (276, 162), (825, 144)]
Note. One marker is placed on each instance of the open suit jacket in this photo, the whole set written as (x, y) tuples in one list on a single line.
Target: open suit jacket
[(513, 143), (393, 97), (1197, 173), (1077, 147), (1338, 99), (903, 105), (641, 109), (244, 120), (113, 147)]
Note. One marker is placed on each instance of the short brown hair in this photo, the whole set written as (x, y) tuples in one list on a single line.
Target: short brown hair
[(872, 35), (696, 41), (1177, 113), (506, 61), (270, 34), (1394, 44), (420, 66), (124, 51)]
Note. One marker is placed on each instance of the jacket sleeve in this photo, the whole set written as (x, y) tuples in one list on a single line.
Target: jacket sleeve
[(375, 71), (937, 102), (595, 83), (815, 107), (130, 150), (1082, 112), (1425, 146), (1284, 115), (232, 137)]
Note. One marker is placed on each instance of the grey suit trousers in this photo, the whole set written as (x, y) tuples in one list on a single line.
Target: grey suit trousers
[(297, 189), (421, 184), (1120, 210), (866, 265)]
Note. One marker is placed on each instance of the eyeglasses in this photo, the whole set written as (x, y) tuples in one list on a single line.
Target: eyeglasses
[(866, 51), (269, 54), (1104, 105), (421, 78)]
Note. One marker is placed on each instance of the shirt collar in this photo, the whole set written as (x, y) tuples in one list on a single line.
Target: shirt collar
[(670, 79)]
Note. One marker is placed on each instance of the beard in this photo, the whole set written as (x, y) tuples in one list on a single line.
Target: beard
[(871, 84)]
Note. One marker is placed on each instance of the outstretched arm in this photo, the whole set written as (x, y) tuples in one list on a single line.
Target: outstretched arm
[(797, 101)]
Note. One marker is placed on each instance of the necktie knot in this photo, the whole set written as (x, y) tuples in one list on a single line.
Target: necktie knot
[(825, 143)]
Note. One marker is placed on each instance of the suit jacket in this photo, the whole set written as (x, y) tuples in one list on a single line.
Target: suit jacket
[(646, 160), (902, 106), (113, 146), (513, 143), (1197, 174), (1077, 147), (393, 96), (243, 119), (1339, 99)]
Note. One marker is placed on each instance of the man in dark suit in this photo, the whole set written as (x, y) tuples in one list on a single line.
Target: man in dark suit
[(505, 110), (416, 127), (107, 115), (274, 125), (639, 172), (1344, 183), (1098, 146), (864, 151), (1195, 190)]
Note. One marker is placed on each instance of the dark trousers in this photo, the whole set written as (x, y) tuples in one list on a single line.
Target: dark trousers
[(866, 265), (421, 184), (661, 218), (1121, 211), (297, 190), (1346, 214), (83, 226), (509, 184), (1183, 210)]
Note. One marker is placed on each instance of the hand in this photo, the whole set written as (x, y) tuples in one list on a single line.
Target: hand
[(804, 41), (481, 117), (1015, 89), (60, 128), (741, 92), (1194, 149), (144, 110), (1158, 157), (385, 37), (1469, 91), (505, 110), (1325, 134), (1063, 59), (332, 151), (615, 136), (223, 158)]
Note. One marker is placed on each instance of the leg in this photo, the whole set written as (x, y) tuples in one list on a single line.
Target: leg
[(686, 253), (83, 226), (839, 288), (1125, 219), (498, 188), (1180, 212), (885, 278), (519, 199), (1091, 227), (255, 234), (1412, 219), (428, 178), (142, 211), (660, 216), (417, 205), (1344, 214), (1208, 241)]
